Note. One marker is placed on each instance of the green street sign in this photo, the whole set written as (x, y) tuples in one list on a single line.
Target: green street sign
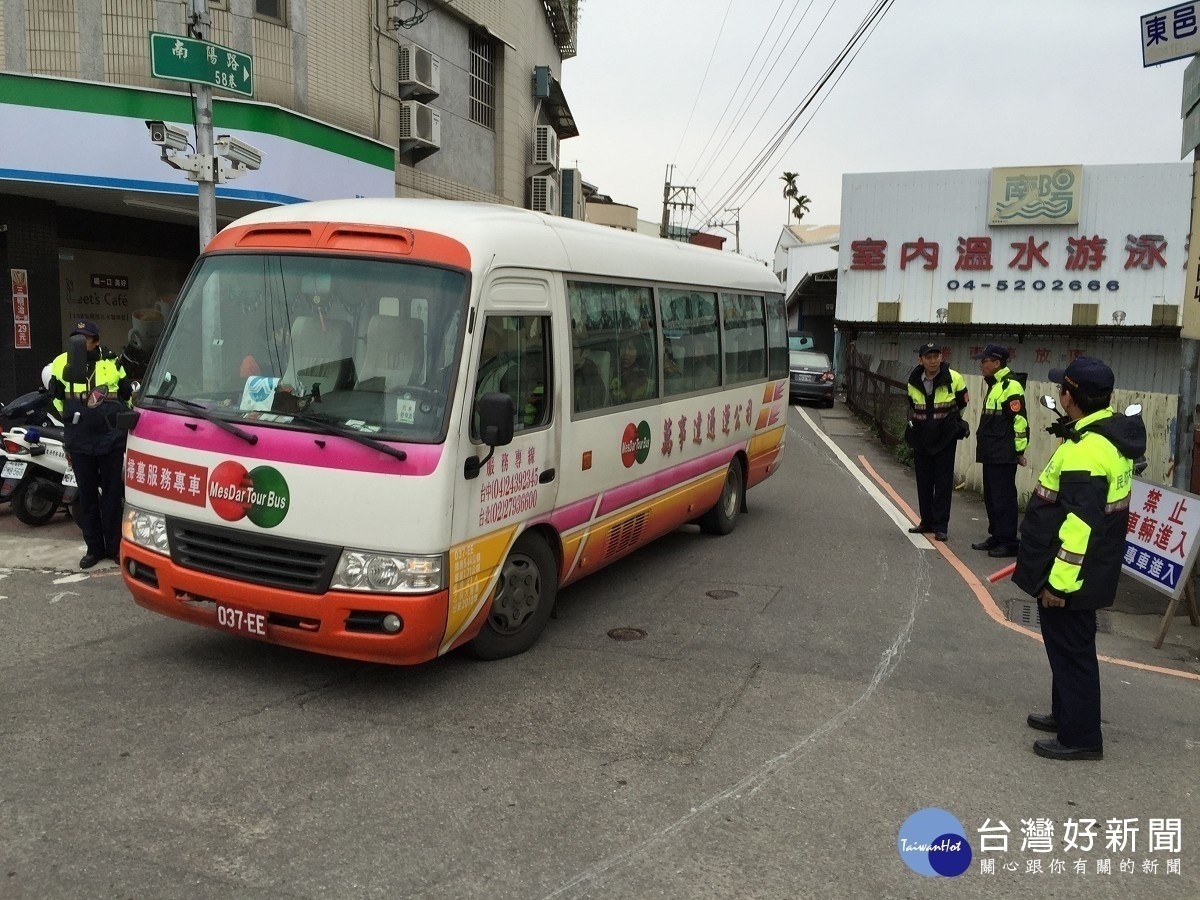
[(176, 58)]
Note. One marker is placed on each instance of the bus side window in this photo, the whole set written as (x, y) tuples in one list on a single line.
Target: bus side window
[(514, 360)]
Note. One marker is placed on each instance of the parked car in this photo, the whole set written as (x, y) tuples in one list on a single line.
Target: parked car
[(811, 376)]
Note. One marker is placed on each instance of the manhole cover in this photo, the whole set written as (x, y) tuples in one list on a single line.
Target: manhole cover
[(627, 634), (721, 595)]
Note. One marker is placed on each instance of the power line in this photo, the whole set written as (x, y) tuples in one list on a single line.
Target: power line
[(745, 71), (733, 194), (760, 82), (700, 90), (774, 97)]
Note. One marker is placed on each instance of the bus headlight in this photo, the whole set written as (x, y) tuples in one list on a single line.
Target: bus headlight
[(383, 573), (146, 529)]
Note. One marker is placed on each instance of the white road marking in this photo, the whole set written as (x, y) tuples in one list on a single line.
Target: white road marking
[(867, 485), (72, 579), (62, 594), (756, 780)]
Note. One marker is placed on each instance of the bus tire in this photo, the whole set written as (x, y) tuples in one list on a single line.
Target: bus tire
[(522, 603), (722, 518)]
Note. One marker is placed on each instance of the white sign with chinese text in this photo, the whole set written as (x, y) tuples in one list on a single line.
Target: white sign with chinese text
[(1170, 33), (1160, 541), (922, 240)]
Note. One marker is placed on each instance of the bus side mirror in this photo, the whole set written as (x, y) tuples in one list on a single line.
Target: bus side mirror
[(496, 415), (497, 412)]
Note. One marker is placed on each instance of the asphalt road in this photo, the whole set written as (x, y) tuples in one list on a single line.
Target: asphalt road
[(805, 685)]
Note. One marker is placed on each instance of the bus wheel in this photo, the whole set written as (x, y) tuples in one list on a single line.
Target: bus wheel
[(522, 603), (722, 518)]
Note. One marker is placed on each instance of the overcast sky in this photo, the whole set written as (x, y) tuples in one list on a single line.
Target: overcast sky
[(937, 85)]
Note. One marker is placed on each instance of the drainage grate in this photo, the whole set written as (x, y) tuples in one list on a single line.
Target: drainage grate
[(721, 595), (627, 634), (1024, 613)]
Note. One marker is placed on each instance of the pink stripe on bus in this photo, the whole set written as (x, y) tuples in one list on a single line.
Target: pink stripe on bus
[(652, 484), (573, 514), (285, 446)]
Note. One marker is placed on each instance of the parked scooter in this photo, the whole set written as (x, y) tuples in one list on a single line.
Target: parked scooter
[(37, 478)]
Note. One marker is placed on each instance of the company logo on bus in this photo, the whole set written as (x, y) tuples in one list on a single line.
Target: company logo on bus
[(260, 495), (635, 444)]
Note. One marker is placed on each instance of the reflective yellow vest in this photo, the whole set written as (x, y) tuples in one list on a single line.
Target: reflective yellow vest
[(1003, 433), (1073, 534)]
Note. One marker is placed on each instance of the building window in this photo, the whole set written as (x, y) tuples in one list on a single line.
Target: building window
[(273, 10), (483, 80)]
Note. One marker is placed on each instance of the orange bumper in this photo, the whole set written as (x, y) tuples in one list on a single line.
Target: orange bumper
[(313, 622)]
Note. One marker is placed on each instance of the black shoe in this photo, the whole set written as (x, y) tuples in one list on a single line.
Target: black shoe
[(89, 560), (1054, 749), (920, 529), (1042, 722), (984, 545), (1003, 550), (939, 535)]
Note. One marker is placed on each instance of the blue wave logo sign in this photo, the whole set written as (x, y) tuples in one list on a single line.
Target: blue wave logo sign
[(259, 388), (933, 843)]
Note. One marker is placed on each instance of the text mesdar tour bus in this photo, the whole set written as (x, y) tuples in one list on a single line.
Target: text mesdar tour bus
[(382, 429)]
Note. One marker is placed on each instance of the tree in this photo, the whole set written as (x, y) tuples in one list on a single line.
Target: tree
[(801, 206), (790, 190)]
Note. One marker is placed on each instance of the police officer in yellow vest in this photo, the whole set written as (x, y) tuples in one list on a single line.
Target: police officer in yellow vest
[(94, 443), (1072, 545), (937, 395), (1000, 444)]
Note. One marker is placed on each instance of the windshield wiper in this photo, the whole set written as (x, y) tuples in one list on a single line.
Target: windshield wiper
[(356, 436), (204, 413)]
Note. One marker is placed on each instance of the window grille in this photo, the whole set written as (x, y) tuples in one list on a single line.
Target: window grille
[(483, 81)]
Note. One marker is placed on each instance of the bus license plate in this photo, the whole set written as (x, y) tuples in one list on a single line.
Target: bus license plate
[(13, 469), (69, 478), (242, 621)]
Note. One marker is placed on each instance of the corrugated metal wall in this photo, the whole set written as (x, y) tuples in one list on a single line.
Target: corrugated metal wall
[(1158, 412), (1140, 364)]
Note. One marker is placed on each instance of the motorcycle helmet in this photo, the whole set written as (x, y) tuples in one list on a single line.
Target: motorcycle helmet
[(46, 376)]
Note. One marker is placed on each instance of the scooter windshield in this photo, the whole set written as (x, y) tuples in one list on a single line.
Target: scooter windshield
[(295, 341)]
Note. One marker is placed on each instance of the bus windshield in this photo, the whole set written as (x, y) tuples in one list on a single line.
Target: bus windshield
[(293, 341)]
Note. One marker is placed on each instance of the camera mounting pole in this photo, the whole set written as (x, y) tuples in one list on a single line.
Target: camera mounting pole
[(206, 182)]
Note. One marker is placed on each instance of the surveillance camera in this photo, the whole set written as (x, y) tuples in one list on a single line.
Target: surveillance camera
[(169, 136), (238, 152)]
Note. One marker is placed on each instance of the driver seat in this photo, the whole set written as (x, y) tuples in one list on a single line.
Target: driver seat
[(394, 350)]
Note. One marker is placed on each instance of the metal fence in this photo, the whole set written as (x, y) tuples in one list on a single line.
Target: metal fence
[(881, 399)]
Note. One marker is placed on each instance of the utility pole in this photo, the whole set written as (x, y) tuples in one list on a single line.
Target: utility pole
[(737, 227), (670, 193), (206, 187)]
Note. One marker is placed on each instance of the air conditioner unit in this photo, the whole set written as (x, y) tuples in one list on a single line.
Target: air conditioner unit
[(543, 194), (420, 74), (420, 125), (545, 146)]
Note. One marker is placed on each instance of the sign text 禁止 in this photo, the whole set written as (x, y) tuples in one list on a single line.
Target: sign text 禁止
[(1160, 539)]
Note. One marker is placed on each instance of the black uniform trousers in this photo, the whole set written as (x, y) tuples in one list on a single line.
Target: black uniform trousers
[(1000, 500), (1070, 639), (101, 478), (935, 486)]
